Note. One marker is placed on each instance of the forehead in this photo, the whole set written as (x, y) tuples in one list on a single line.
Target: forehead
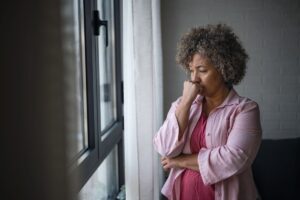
[(199, 59)]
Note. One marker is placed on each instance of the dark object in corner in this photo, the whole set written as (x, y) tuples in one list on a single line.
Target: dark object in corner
[(276, 169)]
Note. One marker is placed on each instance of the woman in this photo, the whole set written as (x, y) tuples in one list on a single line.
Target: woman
[(211, 134)]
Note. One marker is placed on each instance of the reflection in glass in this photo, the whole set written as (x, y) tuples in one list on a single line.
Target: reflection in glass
[(107, 66), (74, 45)]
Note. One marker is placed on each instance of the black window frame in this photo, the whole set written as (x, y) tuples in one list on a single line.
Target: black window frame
[(83, 168)]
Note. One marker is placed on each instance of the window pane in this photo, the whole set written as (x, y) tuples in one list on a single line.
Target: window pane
[(107, 65), (76, 80), (103, 185)]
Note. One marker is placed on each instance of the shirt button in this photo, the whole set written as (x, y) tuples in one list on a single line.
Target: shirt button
[(208, 134)]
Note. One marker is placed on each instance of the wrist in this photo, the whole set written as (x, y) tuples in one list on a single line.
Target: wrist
[(186, 102), (181, 162), (188, 161)]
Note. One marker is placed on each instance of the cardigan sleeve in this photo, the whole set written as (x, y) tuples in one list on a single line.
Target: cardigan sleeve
[(166, 139), (238, 153)]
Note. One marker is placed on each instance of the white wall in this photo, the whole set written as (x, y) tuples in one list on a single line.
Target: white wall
[(270, 32)]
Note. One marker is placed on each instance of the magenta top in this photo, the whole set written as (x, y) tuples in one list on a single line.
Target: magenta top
[(192, 186)]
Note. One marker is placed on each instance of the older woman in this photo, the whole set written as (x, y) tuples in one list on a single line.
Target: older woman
[(211, 134)]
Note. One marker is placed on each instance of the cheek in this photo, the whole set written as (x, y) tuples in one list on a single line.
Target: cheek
[(210, 84), (208, 81)]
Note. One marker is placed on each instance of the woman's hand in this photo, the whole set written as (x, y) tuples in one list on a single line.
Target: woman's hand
[(168, 163), (188, 161), (190, 91)]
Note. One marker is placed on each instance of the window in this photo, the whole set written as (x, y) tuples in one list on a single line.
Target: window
[(97, 113)]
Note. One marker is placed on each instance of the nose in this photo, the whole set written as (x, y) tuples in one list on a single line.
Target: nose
[(194, 77)]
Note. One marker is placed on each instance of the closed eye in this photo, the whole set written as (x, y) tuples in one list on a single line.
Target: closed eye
[(202, 70)]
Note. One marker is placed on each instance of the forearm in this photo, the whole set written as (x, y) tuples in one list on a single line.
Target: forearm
[(182, 115), (188, 161)]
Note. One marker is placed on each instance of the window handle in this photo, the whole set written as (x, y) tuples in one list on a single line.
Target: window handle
[(97, 22)]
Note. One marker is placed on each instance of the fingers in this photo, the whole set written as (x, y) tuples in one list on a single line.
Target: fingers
[(195, 83), (192, 83), (194, 86), (165, 163)]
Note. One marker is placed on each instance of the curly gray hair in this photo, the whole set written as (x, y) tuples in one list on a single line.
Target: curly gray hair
[(220, 45)]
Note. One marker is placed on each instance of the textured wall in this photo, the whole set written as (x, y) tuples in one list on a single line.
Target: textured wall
[(270, 32)]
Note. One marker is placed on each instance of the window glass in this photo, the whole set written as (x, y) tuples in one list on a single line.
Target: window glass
[(74, 46), (106, 64), (103, 183)]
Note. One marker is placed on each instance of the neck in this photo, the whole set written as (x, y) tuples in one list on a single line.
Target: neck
[(217, 99)]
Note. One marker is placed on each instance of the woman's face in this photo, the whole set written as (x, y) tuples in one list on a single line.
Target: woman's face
[(203, 72)]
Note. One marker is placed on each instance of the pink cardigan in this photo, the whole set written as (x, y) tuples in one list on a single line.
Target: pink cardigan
[(233, 136)]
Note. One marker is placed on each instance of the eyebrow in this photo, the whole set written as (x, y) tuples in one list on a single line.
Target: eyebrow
[(198, 66)]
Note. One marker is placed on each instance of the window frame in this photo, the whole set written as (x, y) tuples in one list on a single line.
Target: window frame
[(100, 146)]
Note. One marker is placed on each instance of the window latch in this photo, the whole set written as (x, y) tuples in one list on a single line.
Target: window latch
[(97, 23)]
